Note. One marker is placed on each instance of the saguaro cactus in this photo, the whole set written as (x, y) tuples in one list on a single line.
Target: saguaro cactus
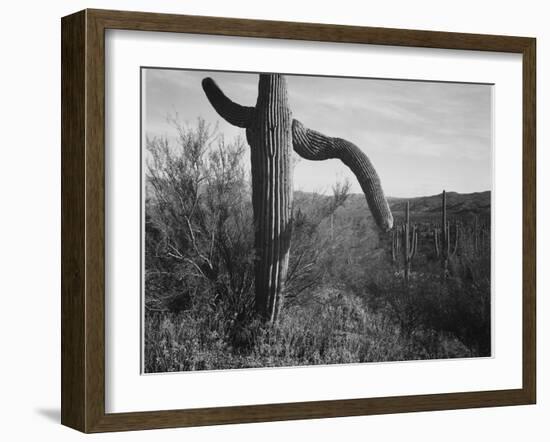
[(480, 236), (315, 146), (395, 243), (444, 248), (405, 239), (272, 133), (410, 243)]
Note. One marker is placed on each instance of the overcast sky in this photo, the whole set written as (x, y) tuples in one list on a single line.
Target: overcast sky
[(422, 137)]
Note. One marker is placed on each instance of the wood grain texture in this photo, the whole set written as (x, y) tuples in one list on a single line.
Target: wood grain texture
[(83, 218), (145, 21), (95, 221), (73, 129), (529, 221)]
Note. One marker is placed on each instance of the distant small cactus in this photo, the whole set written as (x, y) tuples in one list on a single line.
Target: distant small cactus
[(405, 239), (445, 248), (481, 237), (410, 242), (395, 243)]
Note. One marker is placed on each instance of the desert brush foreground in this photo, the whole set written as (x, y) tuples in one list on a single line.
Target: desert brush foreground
[(351, 292)]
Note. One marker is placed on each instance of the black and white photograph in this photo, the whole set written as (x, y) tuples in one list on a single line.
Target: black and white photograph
[(239, 221), (299, 220)]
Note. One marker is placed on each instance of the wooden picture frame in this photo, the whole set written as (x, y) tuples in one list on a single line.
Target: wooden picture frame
[(83, 220)]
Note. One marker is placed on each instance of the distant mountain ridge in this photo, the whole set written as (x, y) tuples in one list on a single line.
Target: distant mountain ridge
[(356, 229), (460, 206)]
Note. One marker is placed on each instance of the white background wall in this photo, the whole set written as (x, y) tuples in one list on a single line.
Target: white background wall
[(30, 220)]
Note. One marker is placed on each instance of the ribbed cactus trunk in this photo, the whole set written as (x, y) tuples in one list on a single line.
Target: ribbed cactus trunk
[(270, 139), (272, 134), (269, 134)]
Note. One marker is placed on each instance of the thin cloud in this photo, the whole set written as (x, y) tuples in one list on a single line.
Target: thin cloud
[(421, 136)]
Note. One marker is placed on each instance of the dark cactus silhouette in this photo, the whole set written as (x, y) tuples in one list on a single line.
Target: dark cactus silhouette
[(405, 239), (410, 243), (395, 244), (481, 237), (272, 133), (444, 247)]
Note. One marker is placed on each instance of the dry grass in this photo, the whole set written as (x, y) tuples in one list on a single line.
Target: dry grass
[(334, 328)]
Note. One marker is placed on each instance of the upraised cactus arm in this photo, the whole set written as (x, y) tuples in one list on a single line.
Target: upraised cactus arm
[(232, 112), (315, 146)]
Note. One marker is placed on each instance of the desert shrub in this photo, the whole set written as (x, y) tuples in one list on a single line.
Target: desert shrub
[(457, 305), (199, 247), (311, 242), (181, 342), (199, 251), (331, 328), (345, 302)]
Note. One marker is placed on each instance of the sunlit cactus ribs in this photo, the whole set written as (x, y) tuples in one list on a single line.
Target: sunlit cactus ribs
[(272, 134), (313, 145)]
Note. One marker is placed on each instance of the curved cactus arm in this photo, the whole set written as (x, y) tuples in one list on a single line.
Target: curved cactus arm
[(315, 146), (230, 111)]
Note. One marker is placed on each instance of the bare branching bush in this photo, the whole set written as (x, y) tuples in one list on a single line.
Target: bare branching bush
[(198, 223), (199, 252), (311, 244)]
